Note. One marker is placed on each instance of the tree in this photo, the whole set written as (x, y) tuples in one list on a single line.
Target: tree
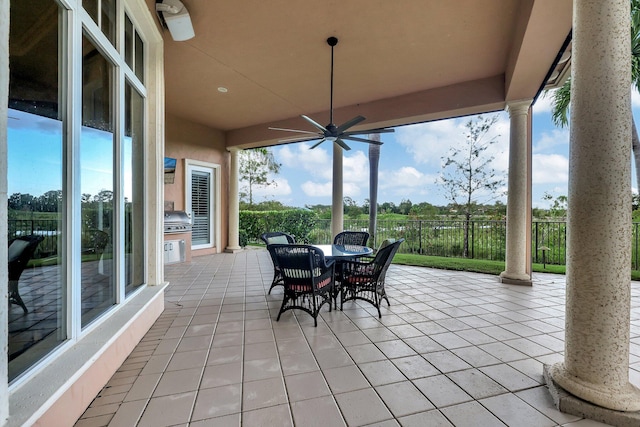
[(467, 174), (255, 165), (562, 96)]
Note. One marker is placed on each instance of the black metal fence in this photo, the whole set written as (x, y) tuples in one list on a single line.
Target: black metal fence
[(487, 238)]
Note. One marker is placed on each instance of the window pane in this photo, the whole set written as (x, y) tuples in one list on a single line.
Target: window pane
[(108, 24), (103, 13), (139, 58), (36, 312), (128, 41), (91, 6), (96, 183), (200, 207), (133, 151)]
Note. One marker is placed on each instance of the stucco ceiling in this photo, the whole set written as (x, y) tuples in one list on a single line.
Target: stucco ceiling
[(396, 62)]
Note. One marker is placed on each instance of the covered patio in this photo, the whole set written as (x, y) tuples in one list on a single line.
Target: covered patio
[(454, 348)]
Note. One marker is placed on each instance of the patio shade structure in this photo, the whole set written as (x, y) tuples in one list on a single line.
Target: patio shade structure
[(248, 68)]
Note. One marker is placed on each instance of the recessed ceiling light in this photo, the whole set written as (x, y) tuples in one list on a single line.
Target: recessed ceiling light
[(223, 89)]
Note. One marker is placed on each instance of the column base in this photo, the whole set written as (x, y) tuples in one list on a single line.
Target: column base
[(617, 406), (233, 249), (515, 279)]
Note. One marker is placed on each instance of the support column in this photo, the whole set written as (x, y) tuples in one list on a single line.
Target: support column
[(596, 358), (518, 226), (337, 199), (4, 94), (233, 243)]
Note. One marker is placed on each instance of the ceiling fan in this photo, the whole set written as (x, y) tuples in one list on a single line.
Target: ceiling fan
[(331, 132)]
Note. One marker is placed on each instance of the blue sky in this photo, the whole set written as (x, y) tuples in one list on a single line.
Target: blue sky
[(411, 160)]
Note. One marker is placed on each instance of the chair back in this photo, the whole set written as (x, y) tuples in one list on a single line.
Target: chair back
[(277, 237), (351, 238), (383, 258), (302, 265), (21, 249)]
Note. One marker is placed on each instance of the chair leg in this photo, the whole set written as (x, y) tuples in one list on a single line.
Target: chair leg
[(14, 295)]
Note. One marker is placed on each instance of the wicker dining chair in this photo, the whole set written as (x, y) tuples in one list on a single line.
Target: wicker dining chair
[(351, 238), (276, 237), (308, 278), (364, 280)]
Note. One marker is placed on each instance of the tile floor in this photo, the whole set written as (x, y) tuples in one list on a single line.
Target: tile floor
[(454, 349)]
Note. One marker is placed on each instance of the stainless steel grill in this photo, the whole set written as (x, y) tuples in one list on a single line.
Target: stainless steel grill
[(176, 222)]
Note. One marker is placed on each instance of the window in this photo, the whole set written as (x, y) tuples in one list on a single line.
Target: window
[(37, 290), (76, 200)]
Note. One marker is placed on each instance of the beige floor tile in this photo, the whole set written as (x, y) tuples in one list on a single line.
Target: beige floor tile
[(475, 356), (187, 360), (432, 418), (219, 375), (470, 414), (217, 401), (446, 361), (262, 350), (332, 358), (143, 388), (362, 407), (263, 393), (168, 410), (268, 417), (441, 391), (509, 377), (306, 386), (365, 353), (346, 378), (298, 363), (476, 384), (129, 413), (403, 398), (175, 382), (223, 355), (232, 420), (540, 399), (261, 369), (414, 367), (317, 412), (382, 372), (515, 412), (395, 348)]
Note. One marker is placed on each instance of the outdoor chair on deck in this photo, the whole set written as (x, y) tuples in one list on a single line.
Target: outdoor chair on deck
[(351, 238), (21, 250), (364, 280), (308, 278), (276, 237)]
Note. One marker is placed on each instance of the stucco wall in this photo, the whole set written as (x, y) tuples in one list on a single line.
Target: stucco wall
[(188, 140)]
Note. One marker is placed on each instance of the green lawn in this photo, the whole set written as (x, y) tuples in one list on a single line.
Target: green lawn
[(476, 265)]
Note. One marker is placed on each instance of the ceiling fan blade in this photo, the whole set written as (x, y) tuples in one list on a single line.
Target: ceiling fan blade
[(355, 138), (348, 124), (317, 143), (294, 130), (314, 123), (342, 144), (364, 132), (300, 139)]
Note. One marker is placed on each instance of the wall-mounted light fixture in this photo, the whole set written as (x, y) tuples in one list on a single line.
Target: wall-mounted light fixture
[(177, 18)]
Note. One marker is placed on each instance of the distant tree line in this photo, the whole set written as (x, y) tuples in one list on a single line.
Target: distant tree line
[(50, 201)]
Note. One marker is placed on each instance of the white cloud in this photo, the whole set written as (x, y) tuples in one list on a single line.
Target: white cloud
[(429, 142), (544, 102), (550, 169), (550, 140), (314, 189), (279, 189)]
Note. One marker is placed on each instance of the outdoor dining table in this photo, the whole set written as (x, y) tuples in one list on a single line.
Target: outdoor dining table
[(344, 252)]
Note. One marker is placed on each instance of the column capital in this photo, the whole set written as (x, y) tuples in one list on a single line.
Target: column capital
[(520, 106), (233, 149)]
